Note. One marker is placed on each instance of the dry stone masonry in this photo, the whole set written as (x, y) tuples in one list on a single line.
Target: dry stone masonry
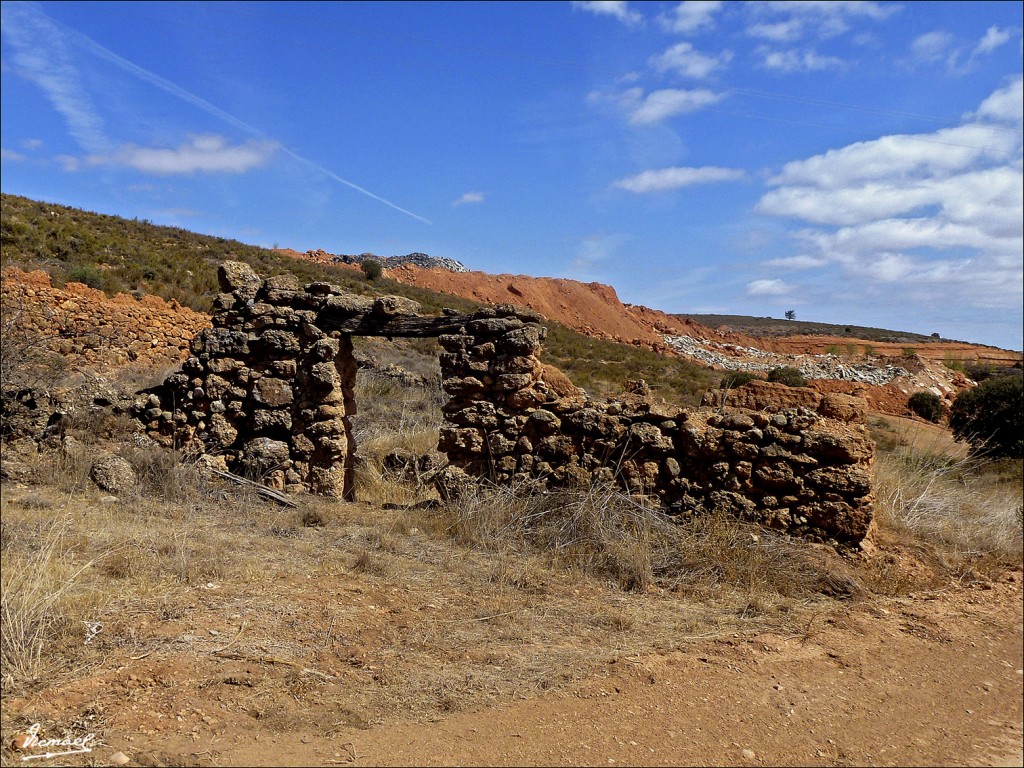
[(95, 332), (802, 467), (267, 392)]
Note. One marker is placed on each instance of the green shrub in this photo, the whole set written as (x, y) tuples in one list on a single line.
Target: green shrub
[(979, 371), (371, 268), (787, 375), (87, 275), (991, 416), (954, 363), (927, 405)]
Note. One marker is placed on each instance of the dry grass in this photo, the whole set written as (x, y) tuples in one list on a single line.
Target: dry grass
[(602, 532), (43, 602), (502, 608), (965, 509), (394, 420), (506, 593)]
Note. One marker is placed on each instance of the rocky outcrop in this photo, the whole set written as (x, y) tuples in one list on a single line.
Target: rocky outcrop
[(269, 389)]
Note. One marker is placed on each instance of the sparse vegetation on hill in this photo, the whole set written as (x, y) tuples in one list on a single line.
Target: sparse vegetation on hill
[(770, 326), (602, 367), (117, 255)]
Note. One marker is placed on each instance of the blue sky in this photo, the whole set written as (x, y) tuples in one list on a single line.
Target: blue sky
[(854, 162)]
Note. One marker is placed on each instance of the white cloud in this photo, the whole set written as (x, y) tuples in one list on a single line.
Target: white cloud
[(615, 8), (1004, 106), (931, 47), (41, 54), (940, 47), (32, 144), (69, 163), (596, 248), (684, 60), (666, 179), (797, 61), (935, 217), (205, 153), (469, 198), (943, 152), (779, 32), (691, 15), (662, 104), (802, 261), (994, 37), (768, 288), (888, 267), (824, 19), (11, 156)]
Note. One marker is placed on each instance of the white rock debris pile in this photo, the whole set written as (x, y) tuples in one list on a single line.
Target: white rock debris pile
[(733, 357)]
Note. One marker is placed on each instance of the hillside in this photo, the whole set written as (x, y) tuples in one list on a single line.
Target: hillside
[(593, 336), (595, 309), (883, 366), (116, 255)]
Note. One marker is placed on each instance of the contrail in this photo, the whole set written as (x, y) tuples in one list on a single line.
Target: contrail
[(175, 90), (50, 68)]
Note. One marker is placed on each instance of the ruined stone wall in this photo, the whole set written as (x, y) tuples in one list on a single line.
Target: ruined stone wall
[(268, 390), (93, 332), (265, 391), (803, 468)]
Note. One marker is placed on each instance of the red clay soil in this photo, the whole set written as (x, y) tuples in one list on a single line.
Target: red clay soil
[(928, 679), (590, 308), (827, 698), (595, 309)]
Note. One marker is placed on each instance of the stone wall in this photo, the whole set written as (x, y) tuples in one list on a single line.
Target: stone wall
[(93, 332), (269, 388), (802, 467), (265, 392)]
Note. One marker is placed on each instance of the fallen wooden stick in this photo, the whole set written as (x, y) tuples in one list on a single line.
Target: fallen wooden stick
[(428, 476), (272, 660), (262, 490)]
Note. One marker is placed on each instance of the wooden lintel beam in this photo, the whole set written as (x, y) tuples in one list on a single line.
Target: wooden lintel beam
[(414, 326)]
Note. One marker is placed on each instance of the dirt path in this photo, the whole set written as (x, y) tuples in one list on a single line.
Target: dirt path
[(927, 680)]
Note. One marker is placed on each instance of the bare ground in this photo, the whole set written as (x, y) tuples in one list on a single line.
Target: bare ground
[(373, 639)]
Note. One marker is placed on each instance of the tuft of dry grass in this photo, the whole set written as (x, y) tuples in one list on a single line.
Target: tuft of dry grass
[(44, 600), (394, 420), (962, 508), (601, 531)]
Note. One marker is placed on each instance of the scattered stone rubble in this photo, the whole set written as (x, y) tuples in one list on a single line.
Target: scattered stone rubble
[(731, 358), (267, 392), (388, 262)]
